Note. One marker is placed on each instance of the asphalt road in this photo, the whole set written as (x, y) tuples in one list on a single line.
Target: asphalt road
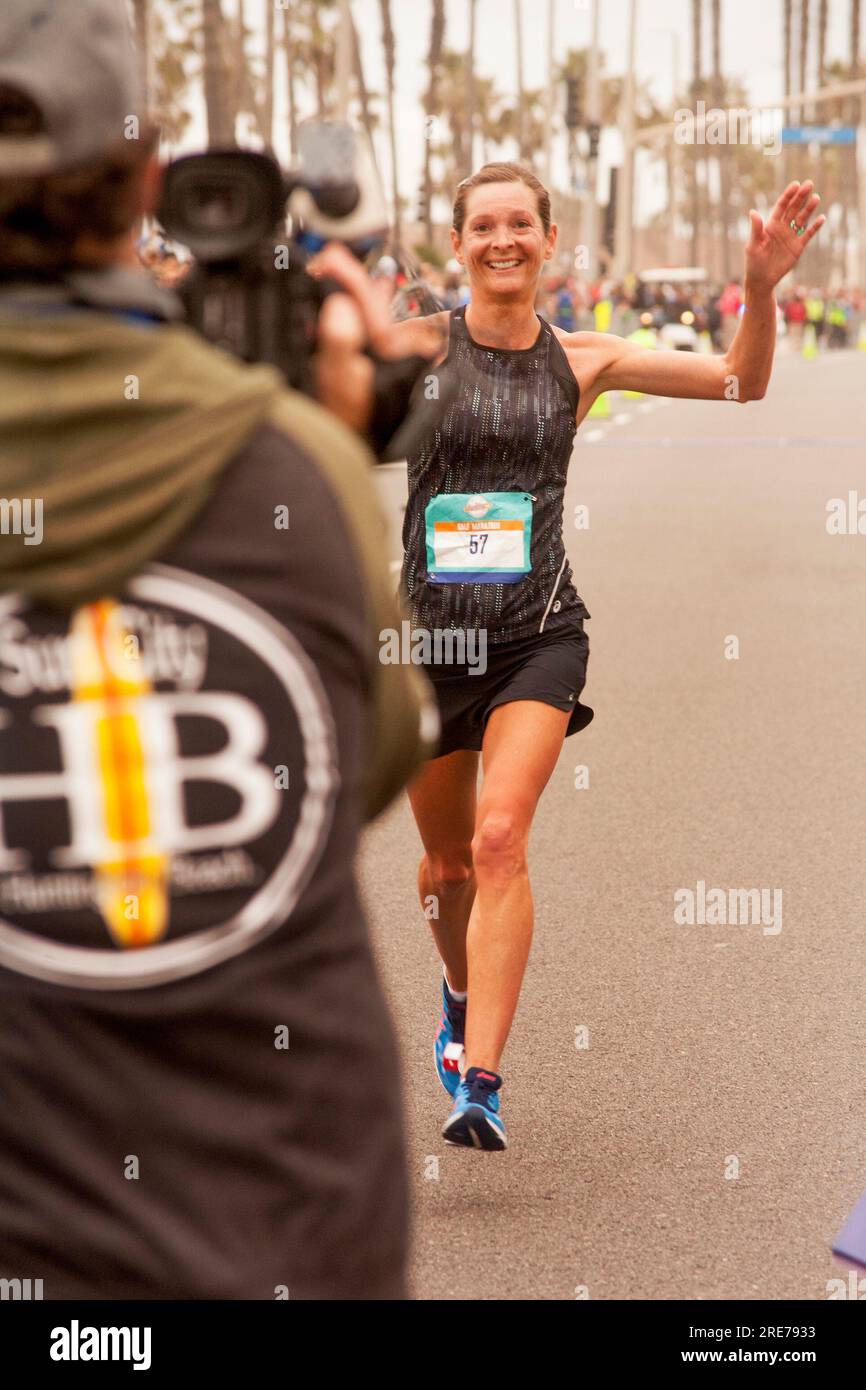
[(710, 1140)]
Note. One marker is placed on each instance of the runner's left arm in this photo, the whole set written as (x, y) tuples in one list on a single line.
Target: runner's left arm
[(603, 362)]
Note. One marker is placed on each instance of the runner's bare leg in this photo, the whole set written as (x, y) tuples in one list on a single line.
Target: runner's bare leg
[(443, 799), (522, 743)]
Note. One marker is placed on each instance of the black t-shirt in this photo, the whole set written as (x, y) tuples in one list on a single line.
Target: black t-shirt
[(199, 1082)]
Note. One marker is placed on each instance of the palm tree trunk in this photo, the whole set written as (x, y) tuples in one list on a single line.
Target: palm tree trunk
[(805, 9), (317, 49), (787, 9), (521, 98), (270, 41), (216, 86), (142, 38), (388, 45), (697, 45), (822, 40), (246, 99), (855, 110), (722, 158), (431, 106), (361, 83), (854, 18), (469, 154), (822, 64), (240, 63), (289, 44)]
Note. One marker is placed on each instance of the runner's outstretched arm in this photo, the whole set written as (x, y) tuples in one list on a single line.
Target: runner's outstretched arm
[(603, 362)]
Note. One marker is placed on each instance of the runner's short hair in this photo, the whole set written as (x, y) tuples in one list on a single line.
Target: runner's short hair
[(501, 173), (42, 218)]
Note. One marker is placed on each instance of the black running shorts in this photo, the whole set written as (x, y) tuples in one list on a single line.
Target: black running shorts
[(549, 669)]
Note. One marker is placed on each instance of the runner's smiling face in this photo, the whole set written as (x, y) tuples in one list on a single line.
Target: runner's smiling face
[(504, 245)]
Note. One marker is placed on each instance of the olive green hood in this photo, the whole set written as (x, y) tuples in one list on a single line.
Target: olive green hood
[(112, 434)]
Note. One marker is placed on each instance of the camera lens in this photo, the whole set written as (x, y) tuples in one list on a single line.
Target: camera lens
[(218, 207)]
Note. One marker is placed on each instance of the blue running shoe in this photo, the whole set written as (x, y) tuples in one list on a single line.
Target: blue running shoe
[(448, 1047), (475, 1122)]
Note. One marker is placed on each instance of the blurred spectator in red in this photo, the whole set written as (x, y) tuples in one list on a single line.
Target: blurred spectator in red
[(729, 307), (795, 316)]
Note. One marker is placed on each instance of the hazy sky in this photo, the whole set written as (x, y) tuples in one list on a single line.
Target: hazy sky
[(751, 51), (751, 47)]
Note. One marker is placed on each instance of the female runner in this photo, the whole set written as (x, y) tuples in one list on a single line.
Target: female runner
[(485, 559)]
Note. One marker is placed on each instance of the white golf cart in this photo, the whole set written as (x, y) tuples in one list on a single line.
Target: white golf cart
[(678, 330)]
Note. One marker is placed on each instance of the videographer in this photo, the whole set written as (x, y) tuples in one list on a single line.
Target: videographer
[(200, 1091)]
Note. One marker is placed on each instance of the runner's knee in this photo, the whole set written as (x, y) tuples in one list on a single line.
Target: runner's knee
[(450, 869), (499, 845)]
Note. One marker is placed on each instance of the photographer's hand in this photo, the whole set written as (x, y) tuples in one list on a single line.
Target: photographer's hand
[(384, 404), (343, 375), (349, 323)]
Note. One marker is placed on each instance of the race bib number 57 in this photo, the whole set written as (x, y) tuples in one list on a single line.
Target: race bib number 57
[(479, 537)]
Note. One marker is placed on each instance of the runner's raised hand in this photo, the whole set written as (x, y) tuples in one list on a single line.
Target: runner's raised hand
[(775, 246)]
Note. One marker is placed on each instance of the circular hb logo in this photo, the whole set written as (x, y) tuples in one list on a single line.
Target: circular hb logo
[(167, 780)]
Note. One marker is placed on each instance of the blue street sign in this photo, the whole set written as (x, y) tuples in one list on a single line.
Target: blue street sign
[(819, 135)]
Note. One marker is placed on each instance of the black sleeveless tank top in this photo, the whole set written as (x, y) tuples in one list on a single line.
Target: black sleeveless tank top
[(511, 427)]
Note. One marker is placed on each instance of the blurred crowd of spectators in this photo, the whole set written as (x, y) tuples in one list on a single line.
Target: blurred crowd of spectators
[(713, 309), (628, 308)]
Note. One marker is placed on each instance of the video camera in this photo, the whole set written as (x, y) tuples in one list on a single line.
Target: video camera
[(251, 294)]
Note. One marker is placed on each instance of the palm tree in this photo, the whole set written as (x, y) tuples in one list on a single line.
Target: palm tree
[(822, 40), (388, 45), (432, 106), (367, 118), (521, 101), (314, 49), (451, 88), (270, 43), (722, 158), (697, 47), (142, 38), (172, 60), (805, 11), (308, 45), (788, 51), (469, 154), (240, 58), (291, 78), (856, 105), (220, 118), (787, 45), (247, 97), (822, 72), (854, 110)]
